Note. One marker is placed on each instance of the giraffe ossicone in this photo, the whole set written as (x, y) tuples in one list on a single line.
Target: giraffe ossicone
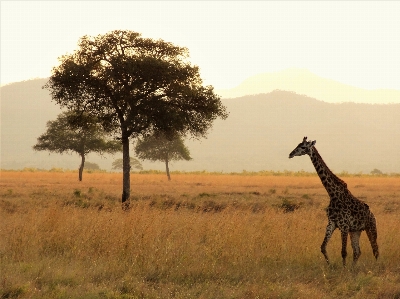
[(345, 212)]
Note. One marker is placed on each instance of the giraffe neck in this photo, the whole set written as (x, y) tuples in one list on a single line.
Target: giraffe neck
[(330, 181)]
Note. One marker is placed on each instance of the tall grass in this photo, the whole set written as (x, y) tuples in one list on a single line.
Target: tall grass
[(195, 237)]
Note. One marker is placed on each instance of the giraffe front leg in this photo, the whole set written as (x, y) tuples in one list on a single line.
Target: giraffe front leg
[(330, 228), (344, 246), (355, 243)]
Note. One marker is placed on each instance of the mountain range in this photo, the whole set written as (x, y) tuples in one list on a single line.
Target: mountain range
[(261, 130), (304, 82)]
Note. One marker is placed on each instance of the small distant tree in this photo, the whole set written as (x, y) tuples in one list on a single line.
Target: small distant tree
[(376, 171), (160, 148), (76, 132), (135, 163), (91, 166)]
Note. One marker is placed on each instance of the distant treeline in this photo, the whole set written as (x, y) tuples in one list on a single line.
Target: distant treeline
[(242, 173)]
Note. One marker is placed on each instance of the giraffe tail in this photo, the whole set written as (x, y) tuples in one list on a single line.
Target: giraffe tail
[(372, 234)]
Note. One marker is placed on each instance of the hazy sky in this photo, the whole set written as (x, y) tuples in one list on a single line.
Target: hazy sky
[(354, 42)]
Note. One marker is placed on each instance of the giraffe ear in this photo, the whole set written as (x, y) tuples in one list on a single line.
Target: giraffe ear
[(313, 142)]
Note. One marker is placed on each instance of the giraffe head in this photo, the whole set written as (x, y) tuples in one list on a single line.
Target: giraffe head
[(304, 148)]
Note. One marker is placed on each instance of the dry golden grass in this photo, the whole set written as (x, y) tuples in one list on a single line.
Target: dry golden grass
[(198, 236)]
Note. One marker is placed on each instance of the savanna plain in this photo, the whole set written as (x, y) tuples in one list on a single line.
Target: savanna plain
[(201, 235)]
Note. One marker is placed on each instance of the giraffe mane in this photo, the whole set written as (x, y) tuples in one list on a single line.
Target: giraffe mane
[(334, 176)]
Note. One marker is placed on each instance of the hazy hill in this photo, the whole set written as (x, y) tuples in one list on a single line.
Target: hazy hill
[(259, 133), (25, 110), (306, 83)]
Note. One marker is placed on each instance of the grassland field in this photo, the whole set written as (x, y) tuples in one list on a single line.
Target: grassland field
[(200, 235)]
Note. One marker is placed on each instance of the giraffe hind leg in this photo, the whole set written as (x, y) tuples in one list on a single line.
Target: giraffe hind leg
[(344, 246), (355, 243)]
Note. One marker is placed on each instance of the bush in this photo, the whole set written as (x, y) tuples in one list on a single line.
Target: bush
[(288, 206), (91, 166)]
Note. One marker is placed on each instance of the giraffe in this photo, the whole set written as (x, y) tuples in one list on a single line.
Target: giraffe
[(345, 211)]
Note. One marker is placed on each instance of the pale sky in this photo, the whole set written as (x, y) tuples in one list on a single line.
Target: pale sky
[(353, 42)]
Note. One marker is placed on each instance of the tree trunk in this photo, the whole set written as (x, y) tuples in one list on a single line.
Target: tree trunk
[(81, 167), (126, 172), (167, 169)]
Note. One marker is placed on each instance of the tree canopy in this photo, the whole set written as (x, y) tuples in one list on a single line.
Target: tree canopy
[(160, 148), (76, 132), (135, 86)]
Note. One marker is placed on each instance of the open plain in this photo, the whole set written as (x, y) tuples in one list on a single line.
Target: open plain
[(201, 235)]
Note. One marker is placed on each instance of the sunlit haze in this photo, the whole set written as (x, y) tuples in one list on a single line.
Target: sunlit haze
[(355, 42)]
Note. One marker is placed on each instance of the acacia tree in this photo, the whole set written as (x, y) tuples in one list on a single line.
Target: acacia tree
[(161, 148), (76, 132), (135, 86), (135, 163)]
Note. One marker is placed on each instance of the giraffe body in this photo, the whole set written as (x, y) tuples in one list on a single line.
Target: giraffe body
[(345, 212)]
